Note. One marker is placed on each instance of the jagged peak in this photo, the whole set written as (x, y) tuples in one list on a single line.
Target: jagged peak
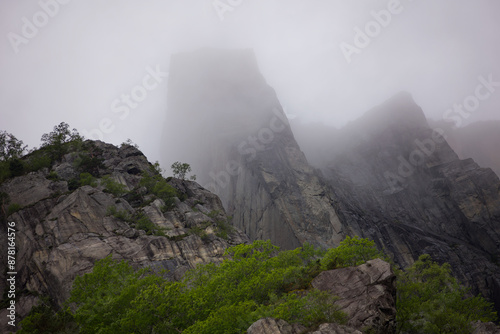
[(399, 110)]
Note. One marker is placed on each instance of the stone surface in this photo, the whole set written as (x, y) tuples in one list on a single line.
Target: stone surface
[(485, 328), (367, 294), (335, 329), (364, 183), (274, 326), (62, 234)]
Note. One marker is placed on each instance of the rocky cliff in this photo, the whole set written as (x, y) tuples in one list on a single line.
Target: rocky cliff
[(245, 151), (387, 176), (397, 181), (62, 229)]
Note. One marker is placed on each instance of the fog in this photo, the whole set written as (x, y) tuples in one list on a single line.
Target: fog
[(80, 61)]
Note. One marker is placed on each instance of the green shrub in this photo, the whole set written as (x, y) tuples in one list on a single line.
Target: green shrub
[(142, 222), (43, 319), (351, 252), (86, 179), (52, 176), (16, 167), (157, 185), (430, 300), (14, 207), (73, 184), (38, 160), (113, 187), (120, 214), (90, 162)]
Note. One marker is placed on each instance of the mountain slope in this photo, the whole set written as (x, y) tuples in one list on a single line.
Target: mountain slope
[(387, 176), (62, 231)]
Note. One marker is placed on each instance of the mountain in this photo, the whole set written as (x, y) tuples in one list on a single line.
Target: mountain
[(387, 176), (63, 228), (241, 141)]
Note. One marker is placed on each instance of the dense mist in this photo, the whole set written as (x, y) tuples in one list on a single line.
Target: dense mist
[(103, 67)]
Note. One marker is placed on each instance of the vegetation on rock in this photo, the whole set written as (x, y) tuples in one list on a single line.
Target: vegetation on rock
[(255, 281)]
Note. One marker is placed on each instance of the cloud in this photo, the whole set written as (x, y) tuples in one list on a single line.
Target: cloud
[(88, 54)]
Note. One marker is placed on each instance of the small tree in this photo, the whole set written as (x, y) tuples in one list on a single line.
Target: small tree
[(10, 146), (56, 139), (181, 169)]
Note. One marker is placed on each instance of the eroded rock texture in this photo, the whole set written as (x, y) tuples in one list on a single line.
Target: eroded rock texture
[(62, 233)]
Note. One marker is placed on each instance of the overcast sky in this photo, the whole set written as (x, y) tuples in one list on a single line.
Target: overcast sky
[(74, 61)]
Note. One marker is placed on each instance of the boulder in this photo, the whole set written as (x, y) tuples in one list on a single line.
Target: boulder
[(367, 294)]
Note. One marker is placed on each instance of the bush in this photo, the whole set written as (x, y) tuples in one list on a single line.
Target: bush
[(120, 214), (86, 179), (60, 141), (16, 167), (52, 176), (351, 252), (90, 162), (43, 319), (14, 207), (430, 300), (113, 187), (157, 185), (211, 298)]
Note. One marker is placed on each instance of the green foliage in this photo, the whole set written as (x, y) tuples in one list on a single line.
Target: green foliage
[(120, 214), (10, 146), (38, 160), (307, 308), (104, 297), (157, 185), (350, 252), (181, 169), (142, 222), (430, 300), (16, 167), (113, 187), (14, 207), (60, 141), (86, 179), (52, 176), (226, 298), (43, 319)]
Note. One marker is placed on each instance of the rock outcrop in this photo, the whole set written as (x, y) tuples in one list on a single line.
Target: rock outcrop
[(367, 294), (62, 232)]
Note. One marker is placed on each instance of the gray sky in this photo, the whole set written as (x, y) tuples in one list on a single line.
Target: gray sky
[(84, 57)]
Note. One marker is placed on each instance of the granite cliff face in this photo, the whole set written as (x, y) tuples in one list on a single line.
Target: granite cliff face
[(387, 176), (245, 151), (62, 232), (399, 182)]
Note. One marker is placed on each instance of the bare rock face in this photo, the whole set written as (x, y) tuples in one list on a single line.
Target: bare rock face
[(248, 155), (62, 233), (335, 329), (367, 294), (279, 326), (274, 326), (387, 176), (485, 328)]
